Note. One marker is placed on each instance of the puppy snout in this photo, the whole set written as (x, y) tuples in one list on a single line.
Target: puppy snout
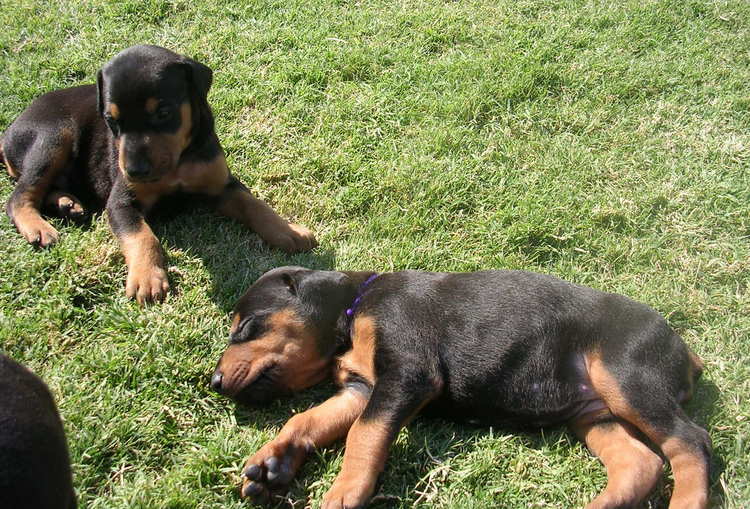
[(138, 169), (216, 380)]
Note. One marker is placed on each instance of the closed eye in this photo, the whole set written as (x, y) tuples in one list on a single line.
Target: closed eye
[(246, 330)]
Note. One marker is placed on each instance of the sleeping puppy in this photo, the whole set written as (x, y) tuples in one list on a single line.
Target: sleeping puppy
[(34, 463), (143, 131), (500, 347)]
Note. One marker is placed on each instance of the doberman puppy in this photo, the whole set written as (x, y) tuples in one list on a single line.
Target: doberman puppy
[(145, 130), (34, 462), (501, 347)]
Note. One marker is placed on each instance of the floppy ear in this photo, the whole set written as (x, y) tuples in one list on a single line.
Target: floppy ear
[(199, 79), (290, 283), (99, 93), (199, 75)]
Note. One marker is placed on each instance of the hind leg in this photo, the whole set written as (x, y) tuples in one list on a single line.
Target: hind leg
[(65, 205), (37, 167), (632, 467), (635, 397), (23, 210)]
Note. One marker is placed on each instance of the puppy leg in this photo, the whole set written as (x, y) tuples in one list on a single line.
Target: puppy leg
[(370, 437), (236, 202), (632, 468), (36, 167), (275, 464), (657, 414), (147, 277)]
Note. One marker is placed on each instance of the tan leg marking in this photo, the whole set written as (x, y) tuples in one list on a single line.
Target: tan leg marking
[(364, 458), (688, 467), (272, 228), (318, 427), (9, 168), (29, 221), (360, 359), (690, 475), (24, 207), (147, 279), (632, 468)]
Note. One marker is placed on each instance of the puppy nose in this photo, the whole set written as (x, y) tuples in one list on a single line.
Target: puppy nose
[(216, 380), (138, 169)]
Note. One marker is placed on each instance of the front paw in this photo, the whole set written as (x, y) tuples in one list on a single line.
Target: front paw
[(348, 492), (292, 238), (147, 284), (38, 232), (271, 469)]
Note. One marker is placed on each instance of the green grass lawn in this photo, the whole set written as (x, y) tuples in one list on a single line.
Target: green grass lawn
[(607, 143)]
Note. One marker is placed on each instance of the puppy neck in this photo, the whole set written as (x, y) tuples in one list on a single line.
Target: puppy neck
[(355, 287)]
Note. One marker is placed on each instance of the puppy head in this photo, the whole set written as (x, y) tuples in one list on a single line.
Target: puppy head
[(283, 334), (155, 103)]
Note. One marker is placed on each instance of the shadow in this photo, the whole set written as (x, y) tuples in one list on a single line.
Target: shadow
[(234, 255), (704, 409)]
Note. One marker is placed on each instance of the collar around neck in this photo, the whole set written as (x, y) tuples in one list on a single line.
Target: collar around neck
[(360, 292)]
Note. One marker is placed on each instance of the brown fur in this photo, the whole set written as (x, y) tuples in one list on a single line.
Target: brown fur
[(147, 278), (24, 209), (690, 475), (360, 359), (632, 468), (366, 451), (286, 346)]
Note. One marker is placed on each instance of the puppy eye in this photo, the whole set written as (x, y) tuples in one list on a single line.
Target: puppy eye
[(163, 114), (112, 124), (245, 331)]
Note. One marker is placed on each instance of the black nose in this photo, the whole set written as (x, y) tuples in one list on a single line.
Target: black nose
[(216, 380), (139, 168)]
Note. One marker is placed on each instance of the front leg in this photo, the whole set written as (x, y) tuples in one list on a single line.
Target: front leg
[(236, 202), (392, 404), (275, 464), (147, 277)]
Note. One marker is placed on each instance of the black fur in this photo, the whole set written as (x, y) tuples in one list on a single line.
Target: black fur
[(34, 463)]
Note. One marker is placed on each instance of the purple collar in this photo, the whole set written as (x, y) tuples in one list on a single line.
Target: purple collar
[(353, 308)]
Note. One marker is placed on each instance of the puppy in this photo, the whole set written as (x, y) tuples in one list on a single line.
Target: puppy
[(501, 347), (145, 130), (34, 462)]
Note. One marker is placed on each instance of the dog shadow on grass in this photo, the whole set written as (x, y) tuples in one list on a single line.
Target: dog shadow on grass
[(233, 255), (420, 463)]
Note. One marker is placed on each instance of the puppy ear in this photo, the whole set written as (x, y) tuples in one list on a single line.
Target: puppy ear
[(99, 93), (200, 76), (290, 283)]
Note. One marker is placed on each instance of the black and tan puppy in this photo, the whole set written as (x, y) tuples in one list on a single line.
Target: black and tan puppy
[(34, 462), (145, 130), (498, 347)]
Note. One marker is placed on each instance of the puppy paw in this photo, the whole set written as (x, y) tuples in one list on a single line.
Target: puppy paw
[(292, 238), (70, 208), (271, 469), (38, 232), (347, 493), (147, 284)]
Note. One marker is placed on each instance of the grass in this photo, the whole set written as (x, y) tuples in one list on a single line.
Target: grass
[(603, 142)]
